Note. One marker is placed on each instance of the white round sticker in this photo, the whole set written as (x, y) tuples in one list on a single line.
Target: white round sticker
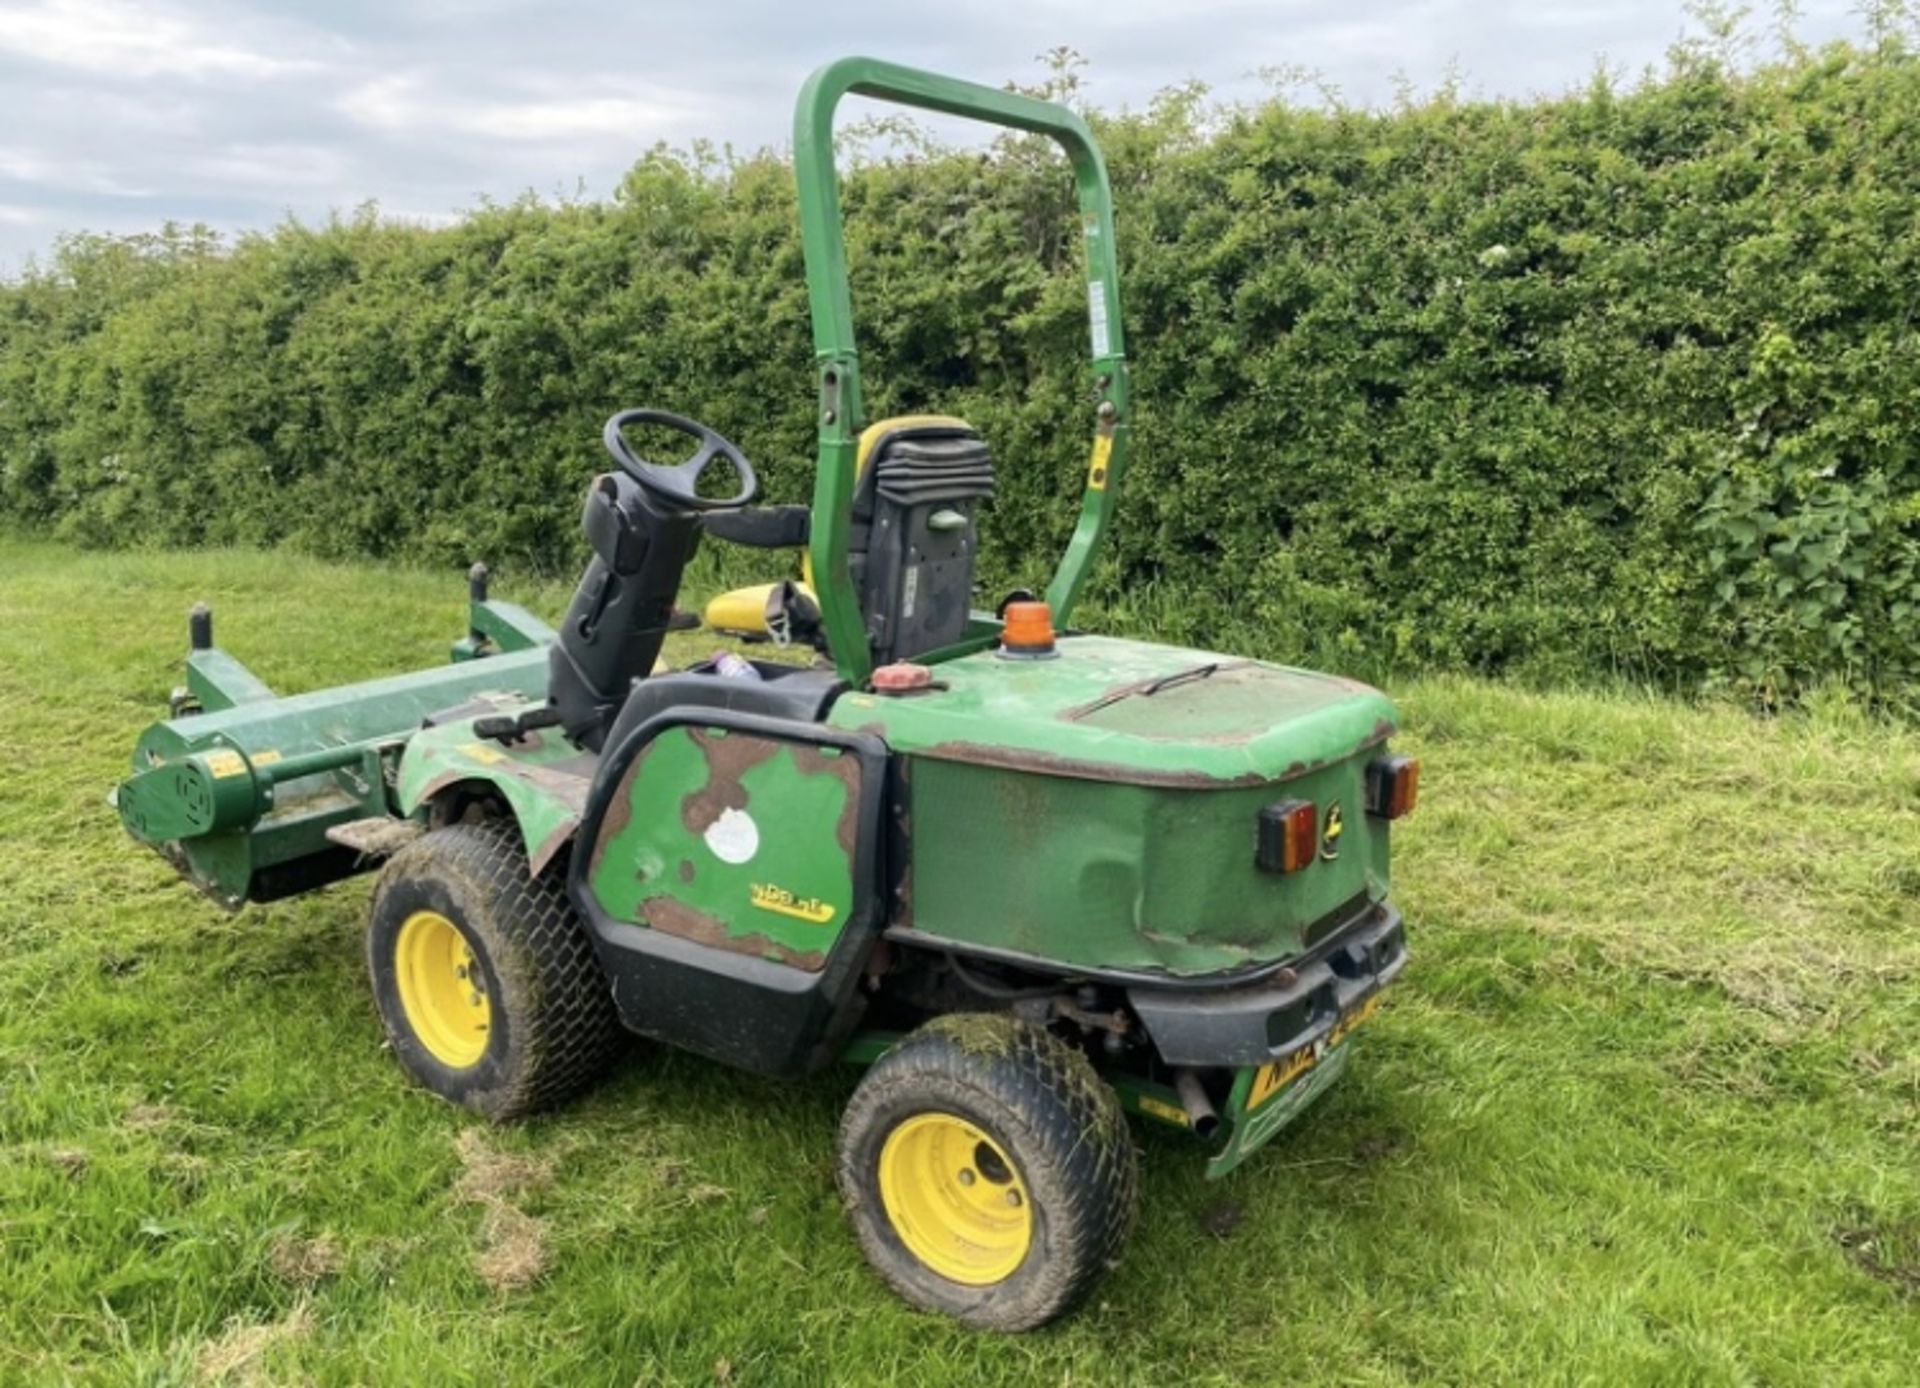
[(734, 837)]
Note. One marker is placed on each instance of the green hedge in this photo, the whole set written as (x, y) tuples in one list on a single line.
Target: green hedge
[(1621, 382)]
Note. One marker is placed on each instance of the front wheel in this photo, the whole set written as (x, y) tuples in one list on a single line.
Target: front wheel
[(484, 976), (988, 1171)]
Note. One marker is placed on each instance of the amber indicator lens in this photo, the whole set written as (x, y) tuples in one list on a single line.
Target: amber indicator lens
[(1289, 835), (1393, 786)]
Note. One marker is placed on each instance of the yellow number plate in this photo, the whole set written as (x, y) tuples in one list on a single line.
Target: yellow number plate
[(1276, 1075)]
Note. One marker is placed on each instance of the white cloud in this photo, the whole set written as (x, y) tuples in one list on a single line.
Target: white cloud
[(273, 166), (116, 115), (24, 165), (77, 175), (119, 39), (410, 103)]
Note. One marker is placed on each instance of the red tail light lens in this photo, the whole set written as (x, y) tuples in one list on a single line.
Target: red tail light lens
[(1289, 835), (1393, 786)]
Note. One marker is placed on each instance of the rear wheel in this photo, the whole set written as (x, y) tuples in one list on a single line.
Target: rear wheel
[(988, 1171), (484, 976)]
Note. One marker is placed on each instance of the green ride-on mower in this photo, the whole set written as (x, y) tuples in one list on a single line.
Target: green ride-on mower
[(1033, 881)]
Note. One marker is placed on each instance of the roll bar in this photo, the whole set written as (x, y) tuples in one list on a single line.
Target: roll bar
[(842, 414)]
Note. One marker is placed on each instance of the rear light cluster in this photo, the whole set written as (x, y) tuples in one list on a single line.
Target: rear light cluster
[(1291, 836), (1393, 786)]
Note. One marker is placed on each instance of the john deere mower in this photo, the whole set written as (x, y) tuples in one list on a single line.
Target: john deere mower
[(1033, 879)]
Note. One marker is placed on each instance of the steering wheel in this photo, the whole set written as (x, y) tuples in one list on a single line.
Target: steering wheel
[(678, 484)]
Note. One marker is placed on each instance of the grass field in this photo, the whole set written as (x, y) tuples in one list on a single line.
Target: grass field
[(1645, 1109)]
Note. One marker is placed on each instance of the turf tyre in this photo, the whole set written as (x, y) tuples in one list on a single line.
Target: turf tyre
[(553, 1029), (1062, 1127)]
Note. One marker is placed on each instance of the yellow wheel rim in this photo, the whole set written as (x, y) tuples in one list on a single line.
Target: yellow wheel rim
[(442, 989), (955, 1200)]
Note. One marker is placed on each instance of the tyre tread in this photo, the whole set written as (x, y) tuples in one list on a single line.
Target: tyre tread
[(563, 1007), (1073, 1125)]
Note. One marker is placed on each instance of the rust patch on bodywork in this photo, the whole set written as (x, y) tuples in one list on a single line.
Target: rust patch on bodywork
[(728, 758), (1050, 764), (559, 838), (686, 869), (673, 917), (569, 780), (844, 768), (440, 782), (619, 812), (561, 780), (569, 790)]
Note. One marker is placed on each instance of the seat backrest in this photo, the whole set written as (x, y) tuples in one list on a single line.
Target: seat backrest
[(623, 607), (913, 539)]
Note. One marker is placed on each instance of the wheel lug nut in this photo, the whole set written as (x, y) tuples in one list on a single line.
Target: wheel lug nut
[(966, 1176), (1013, 1198)]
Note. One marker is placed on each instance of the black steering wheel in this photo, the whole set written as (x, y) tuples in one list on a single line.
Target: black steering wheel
[(678, 484)]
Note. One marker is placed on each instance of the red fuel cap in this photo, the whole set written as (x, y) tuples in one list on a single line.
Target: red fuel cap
[(902, 677)]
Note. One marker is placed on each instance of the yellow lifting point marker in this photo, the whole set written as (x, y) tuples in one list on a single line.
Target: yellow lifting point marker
[(1097, 469)]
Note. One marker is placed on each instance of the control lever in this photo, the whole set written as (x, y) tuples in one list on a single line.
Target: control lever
[(506, 730)]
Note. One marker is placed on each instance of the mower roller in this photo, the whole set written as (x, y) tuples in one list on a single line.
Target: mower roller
[(1034, 879)]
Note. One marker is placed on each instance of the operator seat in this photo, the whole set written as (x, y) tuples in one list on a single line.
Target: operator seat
[(623, 608), (913, 539)]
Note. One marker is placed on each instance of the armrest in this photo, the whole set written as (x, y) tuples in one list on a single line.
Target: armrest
[(761, 527)]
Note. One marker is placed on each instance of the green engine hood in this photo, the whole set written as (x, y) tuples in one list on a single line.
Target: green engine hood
[(1114, 710), (1101, 809)]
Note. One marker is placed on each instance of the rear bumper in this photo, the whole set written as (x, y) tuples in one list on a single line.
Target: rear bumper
[(1295, 1007)]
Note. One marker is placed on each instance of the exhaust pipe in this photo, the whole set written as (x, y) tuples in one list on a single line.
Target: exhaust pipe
[(1193, 1098)]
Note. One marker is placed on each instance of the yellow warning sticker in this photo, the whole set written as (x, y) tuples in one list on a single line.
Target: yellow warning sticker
[(1097, 469), (480, 752), (1164, 1111), (224, 761), (778, 899)]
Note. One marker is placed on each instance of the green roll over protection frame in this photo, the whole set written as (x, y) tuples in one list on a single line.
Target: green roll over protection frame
[(842, 413)]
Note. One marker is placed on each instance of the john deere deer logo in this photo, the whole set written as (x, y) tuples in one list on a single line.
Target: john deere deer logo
[(1330, 836)]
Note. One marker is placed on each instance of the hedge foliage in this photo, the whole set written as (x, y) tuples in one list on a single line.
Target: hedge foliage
[(1624, 381)]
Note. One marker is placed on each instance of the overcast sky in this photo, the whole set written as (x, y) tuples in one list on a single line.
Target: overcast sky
[(117, 115)]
